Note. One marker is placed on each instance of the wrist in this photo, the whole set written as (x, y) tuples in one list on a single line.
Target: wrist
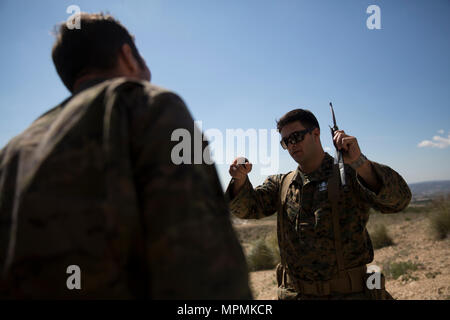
[(238, 183), (360, 162)]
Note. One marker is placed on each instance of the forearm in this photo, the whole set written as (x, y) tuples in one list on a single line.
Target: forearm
[(237, 185), (249, 203), (391, 193), (367, 173)]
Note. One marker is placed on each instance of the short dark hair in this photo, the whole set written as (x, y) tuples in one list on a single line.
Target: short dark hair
[(93, 47), (306, 118)]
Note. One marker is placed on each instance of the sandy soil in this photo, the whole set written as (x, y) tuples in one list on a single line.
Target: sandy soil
[(413, 242)]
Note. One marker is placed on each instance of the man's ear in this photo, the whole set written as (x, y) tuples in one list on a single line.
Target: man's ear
[(128, 60), (316, 133)]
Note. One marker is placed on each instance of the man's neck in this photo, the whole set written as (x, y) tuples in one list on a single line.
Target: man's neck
[(312, 166), (91, 77)]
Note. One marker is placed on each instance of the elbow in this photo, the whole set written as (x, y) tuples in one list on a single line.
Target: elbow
[(405, 199), (399, 205)]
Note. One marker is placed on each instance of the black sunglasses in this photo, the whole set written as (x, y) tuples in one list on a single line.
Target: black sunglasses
[(295, 137)]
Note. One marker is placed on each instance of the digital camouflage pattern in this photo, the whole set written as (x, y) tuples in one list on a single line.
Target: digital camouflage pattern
[(91, 183), (310, 250)]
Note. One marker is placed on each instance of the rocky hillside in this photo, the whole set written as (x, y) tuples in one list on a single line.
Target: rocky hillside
[(417, 265)]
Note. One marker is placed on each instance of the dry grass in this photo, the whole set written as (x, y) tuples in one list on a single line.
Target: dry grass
[(439, 218), (416, 267), (380, 237), (403, 268), (264, 253), (260, 256)]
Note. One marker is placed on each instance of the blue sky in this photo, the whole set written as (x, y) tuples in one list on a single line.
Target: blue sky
[(243, 64)]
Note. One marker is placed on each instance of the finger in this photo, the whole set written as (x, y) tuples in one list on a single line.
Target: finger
[(351, 144), (236, 173), (248, 167), (235, 168), (348, 141), (242, 170), (338, 140), (335, 138), (339, 131)]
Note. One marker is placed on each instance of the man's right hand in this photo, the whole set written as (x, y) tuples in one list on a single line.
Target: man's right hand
[(239, 170)]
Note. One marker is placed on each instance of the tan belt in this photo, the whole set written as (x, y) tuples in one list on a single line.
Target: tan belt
[(353, 282)]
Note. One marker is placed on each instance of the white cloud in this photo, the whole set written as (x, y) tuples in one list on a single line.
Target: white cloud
[(441, 131), (437, 142), (327, 149)]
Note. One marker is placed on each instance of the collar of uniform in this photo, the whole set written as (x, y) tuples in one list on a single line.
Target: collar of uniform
[(322, 173), (89, 83)]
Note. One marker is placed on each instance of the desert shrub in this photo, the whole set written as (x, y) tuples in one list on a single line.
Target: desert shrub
[(440, 218), (397, 269), (264, 253), (380, 237), (260, 256), (432, 275)]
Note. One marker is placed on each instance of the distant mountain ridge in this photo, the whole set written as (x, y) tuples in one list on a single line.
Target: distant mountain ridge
[(430, 188)]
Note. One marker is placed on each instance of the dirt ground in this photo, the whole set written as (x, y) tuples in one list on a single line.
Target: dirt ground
[(413, 243)]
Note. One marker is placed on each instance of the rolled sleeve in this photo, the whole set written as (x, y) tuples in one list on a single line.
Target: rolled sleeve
[(255, 203), (240, 203), (394, 194)]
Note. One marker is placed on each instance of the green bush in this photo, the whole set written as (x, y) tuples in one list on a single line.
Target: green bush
[(397, 269), (380, 237), (260, 257), (264, 253), (440, 218)]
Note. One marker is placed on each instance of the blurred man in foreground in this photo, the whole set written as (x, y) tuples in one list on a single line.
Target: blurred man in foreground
[(91, 186)]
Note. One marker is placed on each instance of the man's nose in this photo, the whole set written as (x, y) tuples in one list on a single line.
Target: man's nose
[(292, 145)]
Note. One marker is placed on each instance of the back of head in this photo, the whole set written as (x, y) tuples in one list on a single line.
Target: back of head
[(92, 48), (306, 118)]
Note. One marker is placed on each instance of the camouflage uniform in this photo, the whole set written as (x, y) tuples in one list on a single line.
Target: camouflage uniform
[(91, 183), (309, 249)]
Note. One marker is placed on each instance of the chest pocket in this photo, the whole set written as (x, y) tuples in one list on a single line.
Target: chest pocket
[(323, 220), (292, 205)]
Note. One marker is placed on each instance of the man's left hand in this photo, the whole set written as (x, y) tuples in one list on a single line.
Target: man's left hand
[(348, 145)]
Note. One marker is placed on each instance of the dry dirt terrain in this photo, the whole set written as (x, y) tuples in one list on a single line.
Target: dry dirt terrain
[(413, 244)]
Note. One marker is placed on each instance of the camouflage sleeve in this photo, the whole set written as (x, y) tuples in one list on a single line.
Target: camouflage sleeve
[(255, 203), (191, 249), (394, 194)]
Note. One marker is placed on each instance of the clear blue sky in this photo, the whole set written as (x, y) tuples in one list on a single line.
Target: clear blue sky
[(243, 64)]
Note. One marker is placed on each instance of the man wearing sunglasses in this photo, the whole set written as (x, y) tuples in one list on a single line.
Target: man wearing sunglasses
[(324, 243)]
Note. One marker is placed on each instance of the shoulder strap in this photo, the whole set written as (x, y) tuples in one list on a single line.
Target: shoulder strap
[(284, 186), (285, 182), (333, 196)]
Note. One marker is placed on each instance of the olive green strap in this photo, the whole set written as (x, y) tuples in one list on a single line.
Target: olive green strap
[(285, 183), (284, 186), (333, 196)]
